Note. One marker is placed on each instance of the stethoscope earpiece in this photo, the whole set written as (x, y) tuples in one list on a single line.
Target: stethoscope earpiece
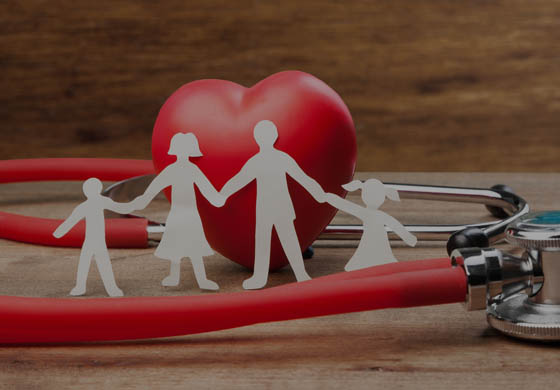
[(467, 238)]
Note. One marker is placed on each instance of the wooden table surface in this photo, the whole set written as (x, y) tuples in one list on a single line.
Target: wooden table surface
[(431, 347)]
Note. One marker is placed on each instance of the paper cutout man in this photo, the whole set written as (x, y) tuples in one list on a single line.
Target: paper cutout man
[(184, 235), (274, 208), (94, 243), (374, 247)]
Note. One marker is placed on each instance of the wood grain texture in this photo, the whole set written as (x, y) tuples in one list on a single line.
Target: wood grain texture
[(433, 86), (437, 347)]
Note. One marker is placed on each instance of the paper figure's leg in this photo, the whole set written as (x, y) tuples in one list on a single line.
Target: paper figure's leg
[(172, 279), (288, 238), (106, 271), (83, 270), (355, 263), (263, 236), (200, 274)]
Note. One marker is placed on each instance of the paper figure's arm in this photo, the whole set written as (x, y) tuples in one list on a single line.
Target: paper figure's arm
[(207, 189), (305, 181), (397, 227), (156, 186), (345, 205), (76, 216), (244, 177), (117, 207)]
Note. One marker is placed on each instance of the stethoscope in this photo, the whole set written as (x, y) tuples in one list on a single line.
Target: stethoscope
[(512, 289)]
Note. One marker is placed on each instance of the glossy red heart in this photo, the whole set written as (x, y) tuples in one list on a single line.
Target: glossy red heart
[(314, 126)]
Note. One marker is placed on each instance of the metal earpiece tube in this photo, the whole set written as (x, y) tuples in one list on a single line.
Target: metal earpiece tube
[(500, 200)]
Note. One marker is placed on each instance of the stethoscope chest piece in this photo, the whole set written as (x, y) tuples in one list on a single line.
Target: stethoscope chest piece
[(529, 307)]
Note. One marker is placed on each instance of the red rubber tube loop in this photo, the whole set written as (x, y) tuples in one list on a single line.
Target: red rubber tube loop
[(120, 233), (62, 320), (47, 320), (67, 169), (391, 268)]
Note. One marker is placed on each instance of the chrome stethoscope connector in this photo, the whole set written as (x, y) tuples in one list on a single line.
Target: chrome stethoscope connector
[(521, 294)]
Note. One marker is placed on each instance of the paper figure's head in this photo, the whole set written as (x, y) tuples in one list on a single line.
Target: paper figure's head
[(92, 187), (265, 133), (373, 191), (184, 144)]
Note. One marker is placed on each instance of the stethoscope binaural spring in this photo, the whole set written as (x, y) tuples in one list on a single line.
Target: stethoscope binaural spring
[(133, 176)]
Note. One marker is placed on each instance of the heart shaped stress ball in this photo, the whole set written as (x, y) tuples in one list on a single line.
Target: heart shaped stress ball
[(314, 127)]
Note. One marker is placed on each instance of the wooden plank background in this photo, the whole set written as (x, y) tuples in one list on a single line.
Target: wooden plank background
[(443, 84)]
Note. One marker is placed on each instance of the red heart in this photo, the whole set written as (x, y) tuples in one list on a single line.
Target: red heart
[(314, 126)]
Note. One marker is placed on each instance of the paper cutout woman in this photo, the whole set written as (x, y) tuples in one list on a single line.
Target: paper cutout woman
[(184, 235), (374, 247), (94, 243), (274, 207)]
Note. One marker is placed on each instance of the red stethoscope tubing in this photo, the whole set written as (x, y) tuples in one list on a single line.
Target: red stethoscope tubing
[(62, 169), (63, 320), (121, 233)]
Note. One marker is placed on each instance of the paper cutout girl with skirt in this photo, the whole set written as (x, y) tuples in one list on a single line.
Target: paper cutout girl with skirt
[(374, 247), (184, 235)]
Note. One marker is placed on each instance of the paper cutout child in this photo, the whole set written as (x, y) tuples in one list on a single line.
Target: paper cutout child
[(374, 247), (184, 235), (274, 208), (94, 243)]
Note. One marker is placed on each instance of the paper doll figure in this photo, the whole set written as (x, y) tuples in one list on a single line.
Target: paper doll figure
[(94, 243), (184, 235), (274, 208), (374, 247)]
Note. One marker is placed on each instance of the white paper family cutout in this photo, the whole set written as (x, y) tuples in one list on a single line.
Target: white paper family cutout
[(184, 234)]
